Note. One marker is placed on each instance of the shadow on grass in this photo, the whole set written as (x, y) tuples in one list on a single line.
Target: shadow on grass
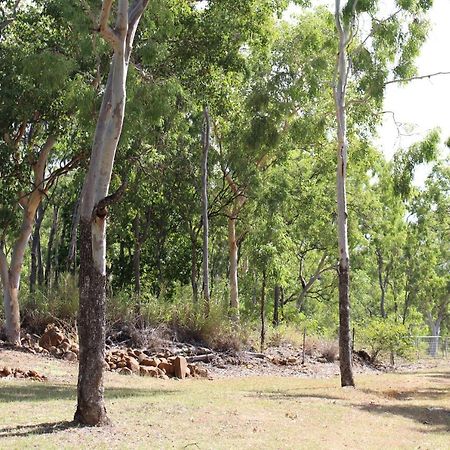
[(437, 418), (42, 428), (50, 392), (416, 394), (286, 395)]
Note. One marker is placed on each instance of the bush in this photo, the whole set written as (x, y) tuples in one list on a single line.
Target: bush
[(384, 336), (329, 350)]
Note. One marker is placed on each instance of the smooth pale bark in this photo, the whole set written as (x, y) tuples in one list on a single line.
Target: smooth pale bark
[(233, 247), (205, 219), (91, 408), (11, 275), (382, 282), (345, 346)]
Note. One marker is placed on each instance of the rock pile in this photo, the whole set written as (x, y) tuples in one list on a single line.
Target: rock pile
[(54, 341), (138, 362), (127, 361), (19, 373)]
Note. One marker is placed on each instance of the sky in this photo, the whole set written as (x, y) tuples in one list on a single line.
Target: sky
[(421, 105)]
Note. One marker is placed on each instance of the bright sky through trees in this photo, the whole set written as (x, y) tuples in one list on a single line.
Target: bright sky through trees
[(421, 105)]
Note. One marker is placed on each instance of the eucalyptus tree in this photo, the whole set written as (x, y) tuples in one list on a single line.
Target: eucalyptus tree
[(41, 69), (365, 63), (94, 209)]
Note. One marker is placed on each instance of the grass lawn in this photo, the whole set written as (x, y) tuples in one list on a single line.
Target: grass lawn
[(396, 410)]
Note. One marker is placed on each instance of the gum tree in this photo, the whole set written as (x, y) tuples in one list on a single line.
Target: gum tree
[(364, 65), (94, 209)]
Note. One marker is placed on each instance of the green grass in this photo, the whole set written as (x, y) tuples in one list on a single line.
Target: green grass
[(385, 411)]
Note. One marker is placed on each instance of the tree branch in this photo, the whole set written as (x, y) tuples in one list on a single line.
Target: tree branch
[(419, 77), (101, 209), (103, 27)]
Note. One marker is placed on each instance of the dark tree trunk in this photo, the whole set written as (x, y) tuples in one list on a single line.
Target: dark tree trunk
[(91, 408), (263, 310), (72, 258), (205, 142), (345, 344), (276, 305), (36, 257), (194, 272), (137, 256), (56, 268), (381, 283), (51, 238)]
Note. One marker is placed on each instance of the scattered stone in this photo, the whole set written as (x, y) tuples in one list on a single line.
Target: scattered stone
[(125, 371), (70, 356), (169, 369), (180, 367)]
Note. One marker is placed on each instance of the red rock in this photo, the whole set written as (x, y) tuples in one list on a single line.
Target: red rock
[(132, 364), (149, 371), (168, 368), (180, 367), (125, 371), (152, 362)]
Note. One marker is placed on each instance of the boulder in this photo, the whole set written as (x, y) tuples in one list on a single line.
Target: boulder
[(149, 371), (125, 371), (152, 362), (167, 367), (180, 367), (5, 372), (132, 364), (70, 356), (52, 337)]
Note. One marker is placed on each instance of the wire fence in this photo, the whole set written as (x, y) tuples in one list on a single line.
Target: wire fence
[(432, 346)]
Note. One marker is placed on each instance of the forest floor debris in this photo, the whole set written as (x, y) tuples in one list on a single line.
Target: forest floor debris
[(167, 359)]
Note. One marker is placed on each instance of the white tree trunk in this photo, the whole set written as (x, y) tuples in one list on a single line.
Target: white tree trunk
[(345, 346), (91, 408), (11, 275)]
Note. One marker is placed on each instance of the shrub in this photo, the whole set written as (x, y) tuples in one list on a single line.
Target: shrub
[(384, 336), (329, 350)]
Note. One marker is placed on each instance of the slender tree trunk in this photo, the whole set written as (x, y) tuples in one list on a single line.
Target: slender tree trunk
[(137, 257), (276, 305), (11, 277), (91, 408), (36, 257), (233, 255), (194, 264), (56, 267), (345, 353), (205, 142), (72, 257), (51, 239), (381, 283), (263, 310)]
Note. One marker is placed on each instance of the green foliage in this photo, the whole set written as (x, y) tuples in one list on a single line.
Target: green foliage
[(384, 336)]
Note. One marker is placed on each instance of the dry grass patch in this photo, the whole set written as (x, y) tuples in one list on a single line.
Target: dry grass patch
[(390, 410)]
